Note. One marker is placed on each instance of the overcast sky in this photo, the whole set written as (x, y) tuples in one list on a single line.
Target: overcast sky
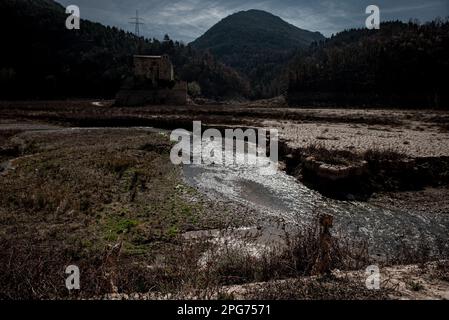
[(187, 19)]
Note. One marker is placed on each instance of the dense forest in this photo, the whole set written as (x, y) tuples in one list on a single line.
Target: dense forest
[(400, 65), (41, 59), (259, 45)]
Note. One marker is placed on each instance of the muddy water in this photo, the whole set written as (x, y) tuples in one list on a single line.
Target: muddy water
[(280, 196)]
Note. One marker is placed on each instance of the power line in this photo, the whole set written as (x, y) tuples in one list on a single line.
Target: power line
[(137, 23)]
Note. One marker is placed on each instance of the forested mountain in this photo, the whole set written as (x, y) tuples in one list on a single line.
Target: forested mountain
[(40, 58), (257, 44), (400, 65)]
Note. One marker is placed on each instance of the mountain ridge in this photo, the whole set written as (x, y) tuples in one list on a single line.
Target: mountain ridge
[(250, 19), (258, 44)]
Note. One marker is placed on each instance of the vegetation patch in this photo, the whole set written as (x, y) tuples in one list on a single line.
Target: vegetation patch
[(87, 197)]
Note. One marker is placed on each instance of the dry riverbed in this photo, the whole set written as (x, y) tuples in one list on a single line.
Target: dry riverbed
[(110, 200)]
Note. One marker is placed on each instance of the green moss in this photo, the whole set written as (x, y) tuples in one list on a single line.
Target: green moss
[(86, 243), (172, 231), (118, 226)]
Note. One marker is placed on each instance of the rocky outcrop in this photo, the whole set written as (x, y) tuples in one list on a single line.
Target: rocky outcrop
[(345, 175), (335, 172)]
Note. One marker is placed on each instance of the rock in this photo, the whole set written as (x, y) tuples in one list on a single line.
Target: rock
[(335, 172)]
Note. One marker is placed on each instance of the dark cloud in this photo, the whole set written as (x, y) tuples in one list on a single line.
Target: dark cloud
[(187, 19)]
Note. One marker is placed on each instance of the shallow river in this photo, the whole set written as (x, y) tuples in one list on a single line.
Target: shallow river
[(282, 196)]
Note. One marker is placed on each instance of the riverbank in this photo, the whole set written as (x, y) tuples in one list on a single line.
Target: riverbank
[(405, 149), (86, 186), (107, 200)]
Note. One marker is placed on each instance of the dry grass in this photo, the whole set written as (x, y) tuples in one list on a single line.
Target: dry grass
[(321, 288), (442, 270), (112, 203), (335, 157), (83, 192), (378, 155), (346, 157)]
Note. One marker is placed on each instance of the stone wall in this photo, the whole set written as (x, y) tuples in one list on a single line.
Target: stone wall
[(153, 68)]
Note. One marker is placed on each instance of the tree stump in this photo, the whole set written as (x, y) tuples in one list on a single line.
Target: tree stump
[(323, 262)]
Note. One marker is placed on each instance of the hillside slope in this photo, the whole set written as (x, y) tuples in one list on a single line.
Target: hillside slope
[(44, 60), (254, 30), (400, 65), (257, 44)]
